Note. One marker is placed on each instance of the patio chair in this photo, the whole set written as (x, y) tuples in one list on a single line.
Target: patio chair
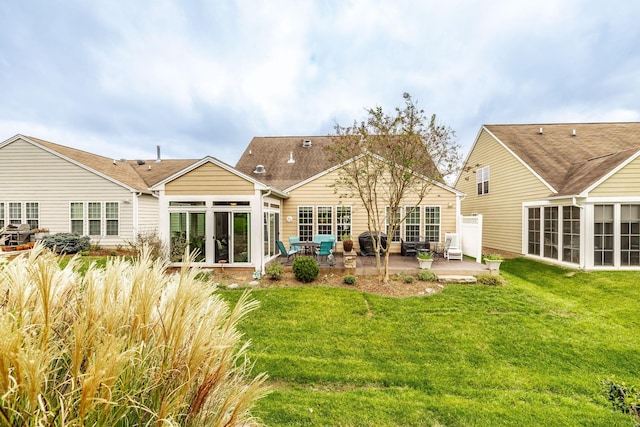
[(452, 248), (283, 251), (293, 243), (325, 249)]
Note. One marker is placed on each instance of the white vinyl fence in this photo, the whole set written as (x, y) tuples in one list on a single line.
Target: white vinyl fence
[(471, 236)]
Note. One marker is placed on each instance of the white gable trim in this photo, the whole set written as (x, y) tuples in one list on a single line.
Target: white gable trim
[(529, 168), (338, 166), (611, 173), (63, 157)]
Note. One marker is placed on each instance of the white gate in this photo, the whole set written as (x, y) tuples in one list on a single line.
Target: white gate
[(471, 236)]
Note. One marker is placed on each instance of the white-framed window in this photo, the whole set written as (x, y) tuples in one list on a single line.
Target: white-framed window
[(15, 213), (387, 224), (571, 234), (325, 220), (343, 220), (533, 232), (630, 234), (482, 180), (305, 223), (32, 214), (550, 246), (112, 217), (603, 235), (94, 218), (432, 223), (76, 217), (412, 224), (20, 213)]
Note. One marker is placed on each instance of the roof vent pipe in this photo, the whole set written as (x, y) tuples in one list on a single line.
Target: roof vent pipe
[(291, 157), (540, 131), (158, 153), (574, 133)]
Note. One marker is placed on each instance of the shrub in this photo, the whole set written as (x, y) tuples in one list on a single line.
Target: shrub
[(492, 257), (427, 276), (275, 270), (349, 279), (305, 269), (489, 280), (407, 279), (623, 398), (156, 248), (67, 243), (127, 344)]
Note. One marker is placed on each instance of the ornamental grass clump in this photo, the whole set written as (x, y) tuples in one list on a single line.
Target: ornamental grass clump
[(127, 344)]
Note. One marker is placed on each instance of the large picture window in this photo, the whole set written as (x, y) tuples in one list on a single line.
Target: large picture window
[(630, 234), (432, 223)]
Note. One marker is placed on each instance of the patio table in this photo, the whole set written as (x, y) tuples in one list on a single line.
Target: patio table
[(308, 246)]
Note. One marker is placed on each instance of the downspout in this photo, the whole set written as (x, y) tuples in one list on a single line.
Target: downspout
[(262, 263), (136, 215)]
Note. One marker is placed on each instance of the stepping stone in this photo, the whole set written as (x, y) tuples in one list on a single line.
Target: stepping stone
[(456, 279)]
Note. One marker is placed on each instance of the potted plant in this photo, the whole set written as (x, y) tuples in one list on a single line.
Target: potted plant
[(425, 259), (39, 233), (347, 242), (493, 261)]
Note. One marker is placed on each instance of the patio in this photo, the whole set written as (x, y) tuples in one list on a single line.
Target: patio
[(366, 265)]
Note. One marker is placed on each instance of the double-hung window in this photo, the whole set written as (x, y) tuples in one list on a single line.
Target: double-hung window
[(343, 220), (412, 224), (325, 220), (432, 223), (305, 223), (389, 220), (482, 180)]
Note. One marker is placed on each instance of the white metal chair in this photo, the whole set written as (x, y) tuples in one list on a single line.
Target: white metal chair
[(452, 248)]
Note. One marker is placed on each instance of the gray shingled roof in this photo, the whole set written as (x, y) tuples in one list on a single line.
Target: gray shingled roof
[(570, 164), (128, 172), (274, 153)]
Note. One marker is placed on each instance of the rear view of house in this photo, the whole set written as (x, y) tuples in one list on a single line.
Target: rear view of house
[(565, 193)]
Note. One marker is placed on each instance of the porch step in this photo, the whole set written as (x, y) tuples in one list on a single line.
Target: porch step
[(450, 278)]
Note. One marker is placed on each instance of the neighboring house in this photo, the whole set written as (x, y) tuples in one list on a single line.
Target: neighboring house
[(66, 190), (565, 193), (300, 167), (281, 187)]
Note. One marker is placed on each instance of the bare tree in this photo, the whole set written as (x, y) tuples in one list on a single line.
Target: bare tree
[(390, 161)]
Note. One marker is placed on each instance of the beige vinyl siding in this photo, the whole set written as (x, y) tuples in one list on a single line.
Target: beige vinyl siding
[(147, 214), (510, 184), (209, 179), (319, 193), (31, 174), (623, 183)]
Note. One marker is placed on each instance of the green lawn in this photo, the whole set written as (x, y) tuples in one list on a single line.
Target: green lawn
[(532, 352)]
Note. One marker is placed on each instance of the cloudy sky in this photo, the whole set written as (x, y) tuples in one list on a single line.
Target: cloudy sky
[(199, 78)]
